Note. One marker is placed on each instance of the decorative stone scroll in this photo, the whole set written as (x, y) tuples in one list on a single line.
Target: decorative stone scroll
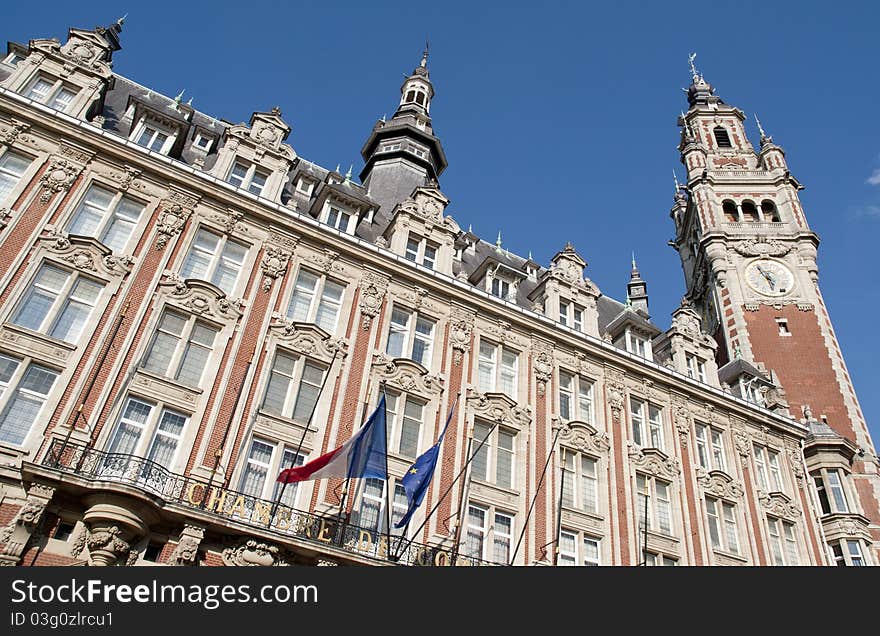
[(200, 297), (654, 462), (498, 407), (273, 265), (408, 375), (11, 131), (681, 419), (461, 326), (252, 553), (779, 504), (743, 443), (719, 484), (86, 254), (59, 176), (762, 246), (308, 339), (107, 544), (176, 208), (229, 219), (14, 537), (614, 383), (373, 287), (584, 437), (542, 364)]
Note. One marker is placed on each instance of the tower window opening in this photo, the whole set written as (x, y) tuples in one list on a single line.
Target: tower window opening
[(722, 138), (420, 99), (771, 214), (410, 96), (750, 212), (729, 208)]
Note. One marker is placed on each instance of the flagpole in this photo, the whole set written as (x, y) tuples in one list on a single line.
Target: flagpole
[(645, 528), (347, 484), (559, 509), (387, 475), (535, 498), (461, 499), (302, 438), (457, 477)]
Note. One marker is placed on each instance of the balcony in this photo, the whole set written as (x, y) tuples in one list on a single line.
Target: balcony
[(101, 470)]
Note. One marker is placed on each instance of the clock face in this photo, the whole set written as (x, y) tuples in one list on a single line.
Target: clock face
[(769, 277)]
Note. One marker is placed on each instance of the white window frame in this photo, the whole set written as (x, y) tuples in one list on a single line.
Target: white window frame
[(491, 453), (251, 169), (318, 298), (711, 453), (696, 368), (580, 402), (419, 254), (768, 469), (12, 387), (571, 314), (647, 430), (659, 559), (578, 556), (146, 122), (580, 481), (175, 363), (340, 212), (14, 58), (784, 546), (217, 256), (499, 371), (56, 86), (504, 287), (411, 335), (638, 345), (398, 505), (850, 550), (823, 477), (305, 186), (723, 523), (295, 381), (108, 214), (13, 178), (656, 504), (279, 460), (208, 138), (396, 415), (489, 532), (149, 430), (62, 299)]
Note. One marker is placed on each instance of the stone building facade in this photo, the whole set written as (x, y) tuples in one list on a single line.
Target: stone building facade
[(187, 307)]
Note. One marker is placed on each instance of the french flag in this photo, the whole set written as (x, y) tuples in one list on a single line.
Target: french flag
[(364, 455)]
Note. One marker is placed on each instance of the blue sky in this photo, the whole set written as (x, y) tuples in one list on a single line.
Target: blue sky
[(555, 114)]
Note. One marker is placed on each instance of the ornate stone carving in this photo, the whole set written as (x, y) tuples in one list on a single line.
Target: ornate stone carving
[(796, 460), (614, 384), (408, 375), (200, 297), (229, 220), (497, 407), (253, 553), (743, 444), (16, 535), (59, 176), (461, 326), (170, 222), (719, 483), (653, 461), (500, 331), (323, 261), (542, 364), (187, 549), (308, 339), (79, 543), (779, 504), (107, 545), (584, 437), (284, 241), (373, 287), (86, 253), (681, 418), (762, 246), (274, 264), (11, 131), (126, 178)]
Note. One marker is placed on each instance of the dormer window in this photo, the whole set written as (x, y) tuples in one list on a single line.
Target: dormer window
[(153, 138), (696, 368), (418, 151), (638, 345), (749, 391), (203, 142), (340, 219), (13, 58), (500, 288), (248, 176), (572, 315), (304, 186), (53, 93), (721, 137)]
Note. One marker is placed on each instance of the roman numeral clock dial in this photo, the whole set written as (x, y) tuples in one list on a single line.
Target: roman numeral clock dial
[(769, 277)]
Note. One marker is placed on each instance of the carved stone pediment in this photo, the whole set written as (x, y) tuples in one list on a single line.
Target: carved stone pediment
[(308, 339), (584, 437), (200, 297), (428, 203), (720, 484), (408, 375), (779, 504), (254, 553), (12, 129), (266, 133), (498, 407), (86, 254), (762, 246), (654, 461)]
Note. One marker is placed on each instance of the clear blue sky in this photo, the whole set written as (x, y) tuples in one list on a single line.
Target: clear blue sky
[(558, 118)]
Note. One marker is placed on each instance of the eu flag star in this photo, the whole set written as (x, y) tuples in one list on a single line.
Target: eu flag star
[(413, 471)]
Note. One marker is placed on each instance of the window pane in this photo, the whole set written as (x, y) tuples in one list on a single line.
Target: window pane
[(131, 425), (195, 357), (12, 167), (328, 309), (237, 174), (479, 465), (279, 385), (40, 297), (409, 432), (166, 438), (91, 212), (476, 531), (24, 406), (309, 389), (502, 534), (69, 324), (256, 468)]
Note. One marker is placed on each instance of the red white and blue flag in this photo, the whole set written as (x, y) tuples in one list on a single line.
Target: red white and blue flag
[(364, 455)]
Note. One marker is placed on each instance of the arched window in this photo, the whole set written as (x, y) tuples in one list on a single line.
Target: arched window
[(729, 208), (410, 97), (420, 98), (721, 137), (771, 214), (750, 212)]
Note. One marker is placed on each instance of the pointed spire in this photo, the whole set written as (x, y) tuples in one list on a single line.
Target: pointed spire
[(348, 174), (765, 138), (498, 241), (424, 62), (470, 228), (530, 254), (635, 267), (189, 102), (337, 169), (697, 77), (120, 21), (677, 184), (179, 97)]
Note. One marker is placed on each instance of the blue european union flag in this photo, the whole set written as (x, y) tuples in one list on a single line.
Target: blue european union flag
[(418, 476)]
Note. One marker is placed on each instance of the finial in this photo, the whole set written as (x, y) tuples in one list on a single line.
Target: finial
[(677, 184), (383, 117), (498, 241), (635, 267), (348, 174), (179, 96), (470, 228), (189, 102), (530, 254), (694, 73), (121, 20), (424, 61), (765, 138), (337, 169), (737, 352), (275, 110)]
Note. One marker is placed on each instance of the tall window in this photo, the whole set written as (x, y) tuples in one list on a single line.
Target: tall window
[(848, 553), (722, 525), (315, 299), (658, 502), (571, 315), (710, 447), (647, 424), (12, 167), (410, 336), (181, 348), (24, 388), (420, 250), (405, 416), (480, 533), (294, 386), (493, 461), (262, 464), (147, 431), (371, 512), (721, 137), (579, 482), (107, 216), (829, 487), (767, 469), (216, 258), (577, 549), (497, 369), (53, 93), (342, 220), (696, 368), (783, 544), (575, 398), (500, 288), (638, 345), (58, 303), (248, 176)]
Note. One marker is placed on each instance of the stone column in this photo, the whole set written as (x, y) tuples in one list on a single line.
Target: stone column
[(17, 534), (114, 524)]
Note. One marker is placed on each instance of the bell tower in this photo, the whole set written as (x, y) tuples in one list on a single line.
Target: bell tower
[(749, 261)]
